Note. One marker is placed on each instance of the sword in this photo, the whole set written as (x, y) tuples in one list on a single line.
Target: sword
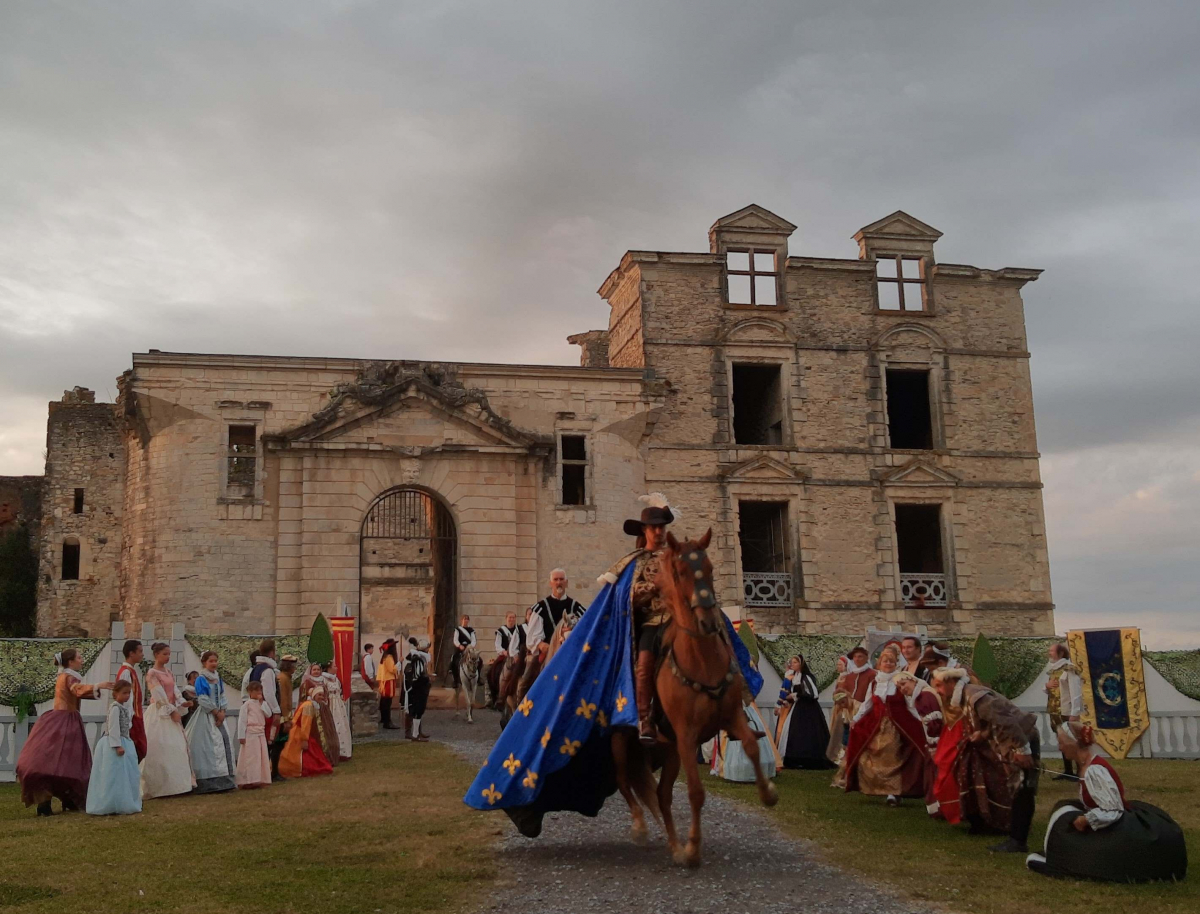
[(1063, 774)]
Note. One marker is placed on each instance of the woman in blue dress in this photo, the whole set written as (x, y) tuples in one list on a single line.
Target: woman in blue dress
[(208, 742), (116, 784)]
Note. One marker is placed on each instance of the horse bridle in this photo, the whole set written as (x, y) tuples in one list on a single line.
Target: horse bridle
[(702, 598)]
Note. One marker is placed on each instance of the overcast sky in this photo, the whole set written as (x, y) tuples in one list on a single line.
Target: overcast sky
[(453, 180)]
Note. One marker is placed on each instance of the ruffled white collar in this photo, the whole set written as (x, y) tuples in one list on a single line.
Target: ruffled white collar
[(1058, 664), (211, 676), (74, 674), (267, 660), (852, 667)]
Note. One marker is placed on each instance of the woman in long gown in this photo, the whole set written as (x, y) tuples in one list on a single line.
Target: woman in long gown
[(313, 681), (340, 709), (208, 741), (1102, 835), (56, 760), (729, 759), (167, 770), (303, 756), (803, 734), (115, 787), (887, 755)]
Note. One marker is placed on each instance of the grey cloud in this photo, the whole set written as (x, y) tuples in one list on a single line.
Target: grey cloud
[(455, 179)]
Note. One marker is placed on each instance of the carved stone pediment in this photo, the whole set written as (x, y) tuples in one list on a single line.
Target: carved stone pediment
[(410, 407), (764, 469), (919, 472), (758, 330)]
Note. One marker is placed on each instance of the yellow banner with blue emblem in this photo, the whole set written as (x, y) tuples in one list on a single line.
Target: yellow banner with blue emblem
[(1114, 686)]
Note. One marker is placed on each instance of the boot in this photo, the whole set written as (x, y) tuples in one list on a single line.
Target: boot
[(408, 726), (44, 809), (643, 689)]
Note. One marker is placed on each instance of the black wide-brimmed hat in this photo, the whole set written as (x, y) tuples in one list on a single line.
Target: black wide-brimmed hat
[(656, 513)]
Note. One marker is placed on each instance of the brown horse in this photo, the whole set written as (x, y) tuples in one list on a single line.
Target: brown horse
[(700, 687)]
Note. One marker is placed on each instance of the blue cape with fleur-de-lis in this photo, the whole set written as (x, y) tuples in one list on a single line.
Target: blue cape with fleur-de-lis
[(555, 752)]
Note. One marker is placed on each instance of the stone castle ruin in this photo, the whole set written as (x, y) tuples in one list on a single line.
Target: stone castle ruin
[(858, 433)]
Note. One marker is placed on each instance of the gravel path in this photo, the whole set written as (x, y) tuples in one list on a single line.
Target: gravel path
[(589, 866)]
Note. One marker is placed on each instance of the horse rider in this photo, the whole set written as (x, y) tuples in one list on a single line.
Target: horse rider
[(649, 613), (464, 637), (506, 643), (550, 610)]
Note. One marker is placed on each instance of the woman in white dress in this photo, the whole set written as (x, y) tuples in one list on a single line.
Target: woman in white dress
[(208, 741), (167, 769), (340, 709)]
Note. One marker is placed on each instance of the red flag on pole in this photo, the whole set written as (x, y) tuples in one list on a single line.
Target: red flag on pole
[(343, 649)]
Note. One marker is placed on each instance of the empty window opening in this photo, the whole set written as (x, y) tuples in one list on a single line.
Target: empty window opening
[(919, 552), (900, 282), (752, 278), (70, 559), (78, 507), (910, 419), (766, 564), (574, 470), (757, 404), (242, 460)]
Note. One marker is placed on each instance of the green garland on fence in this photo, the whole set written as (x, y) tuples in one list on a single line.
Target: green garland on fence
[(27, 670), (233, 652), (819, 651), (1180, 668)]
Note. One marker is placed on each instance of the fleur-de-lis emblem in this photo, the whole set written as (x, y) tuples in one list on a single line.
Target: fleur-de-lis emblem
[(525, 707), (530, 780), (585, 709), (491, 794), (561, 697), (622, 701), (546, 738), (586, 647), (602, 719), (512, 763), (569, 746)]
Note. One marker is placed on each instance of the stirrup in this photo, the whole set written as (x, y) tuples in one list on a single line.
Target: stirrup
[(647, 733)]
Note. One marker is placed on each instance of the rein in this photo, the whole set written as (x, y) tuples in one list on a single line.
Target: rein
[(702, 596)]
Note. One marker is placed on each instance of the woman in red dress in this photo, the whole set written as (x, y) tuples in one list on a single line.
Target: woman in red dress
[(56, 760)]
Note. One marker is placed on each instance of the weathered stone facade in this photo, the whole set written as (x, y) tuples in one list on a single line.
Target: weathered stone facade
[(250, 493)]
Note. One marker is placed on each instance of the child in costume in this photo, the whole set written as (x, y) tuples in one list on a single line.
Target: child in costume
[(56, 760), (167, 770), (208, 741), (254, 761), (115, 787), (339, 708), (132, 651)]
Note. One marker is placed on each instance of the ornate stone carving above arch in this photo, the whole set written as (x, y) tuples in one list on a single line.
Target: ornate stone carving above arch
[(758, 330), (909, 337)]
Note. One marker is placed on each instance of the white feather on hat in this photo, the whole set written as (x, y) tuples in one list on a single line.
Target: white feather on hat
[(658, 500)]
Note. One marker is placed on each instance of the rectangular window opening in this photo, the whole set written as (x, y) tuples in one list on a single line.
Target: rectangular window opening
[(78, 506), (910, 417), (766, 564), (900, 282), (70, 560), (919, 554), (757, 404), (242, 461), (752, 278), (574, 469)]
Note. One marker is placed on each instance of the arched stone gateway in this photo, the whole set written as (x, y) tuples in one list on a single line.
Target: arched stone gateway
[(408, 569)]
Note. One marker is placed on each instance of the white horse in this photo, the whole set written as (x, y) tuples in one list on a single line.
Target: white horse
[(470, 673)]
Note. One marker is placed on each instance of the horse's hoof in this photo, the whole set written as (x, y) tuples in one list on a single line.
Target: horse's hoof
[(771, 796), (691, 857), (640, 836), (680, 856)]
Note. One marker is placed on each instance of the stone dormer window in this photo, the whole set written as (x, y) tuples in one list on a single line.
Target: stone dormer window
[(752, 277), (900, 282), (241, 461)]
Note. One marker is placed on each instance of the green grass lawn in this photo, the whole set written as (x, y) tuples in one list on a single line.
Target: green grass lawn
[(387, 832), (934, 863)]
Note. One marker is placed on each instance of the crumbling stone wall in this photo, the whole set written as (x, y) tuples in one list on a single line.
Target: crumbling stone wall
[(85, 449)]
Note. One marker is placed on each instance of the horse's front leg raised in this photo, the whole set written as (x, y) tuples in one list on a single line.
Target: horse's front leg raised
[(686, 746), (740, 730)]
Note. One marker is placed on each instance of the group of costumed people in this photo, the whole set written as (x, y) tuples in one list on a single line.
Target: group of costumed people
[(921, 725), (410, 684), (918, 725), (162, 741)]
